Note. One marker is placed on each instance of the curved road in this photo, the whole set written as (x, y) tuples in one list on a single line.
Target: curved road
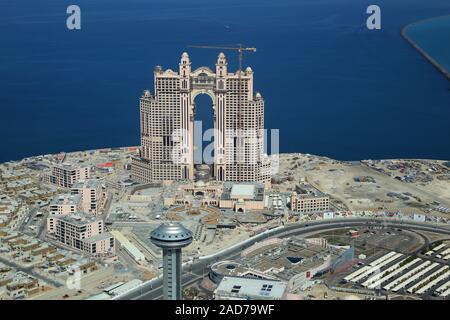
[(152, 289)]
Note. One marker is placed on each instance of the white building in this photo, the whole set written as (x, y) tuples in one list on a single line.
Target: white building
[(237, 288)]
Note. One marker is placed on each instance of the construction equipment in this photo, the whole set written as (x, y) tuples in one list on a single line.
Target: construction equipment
[(240, 49)]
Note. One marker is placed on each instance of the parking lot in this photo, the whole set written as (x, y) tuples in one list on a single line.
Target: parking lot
[(425, 274)]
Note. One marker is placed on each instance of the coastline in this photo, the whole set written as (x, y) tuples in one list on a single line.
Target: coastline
[(134, 148), (430, 59)]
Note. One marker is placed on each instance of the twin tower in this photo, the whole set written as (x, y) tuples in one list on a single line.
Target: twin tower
[(167, 125)]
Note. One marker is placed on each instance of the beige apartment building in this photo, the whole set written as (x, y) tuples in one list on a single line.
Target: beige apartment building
[(92, 195), (167, 125), (62, 206), (309, 200), (65, 175), (83, 232), (65, 204)]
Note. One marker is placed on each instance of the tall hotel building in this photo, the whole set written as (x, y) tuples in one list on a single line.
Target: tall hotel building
[(167, 125)]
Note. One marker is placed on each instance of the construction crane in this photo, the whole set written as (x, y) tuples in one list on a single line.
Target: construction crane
[(240, 49)]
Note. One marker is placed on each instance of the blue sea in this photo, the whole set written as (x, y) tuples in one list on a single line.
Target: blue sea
[(331, 86)]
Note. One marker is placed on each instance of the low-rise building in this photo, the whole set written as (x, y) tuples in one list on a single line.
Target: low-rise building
[(237, 288), (65, 175), (61, 206), (22, 286), (31, 196), (242, 196), (83, 232), (8, 209), (132, 250), (307, 199), (239, 197), (17, 185)]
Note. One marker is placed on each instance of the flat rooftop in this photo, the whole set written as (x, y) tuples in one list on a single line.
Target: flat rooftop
[(247, 287), (98, 237), (66, 199), (89, 183), (242, 191), (245, 191), (80, 218)]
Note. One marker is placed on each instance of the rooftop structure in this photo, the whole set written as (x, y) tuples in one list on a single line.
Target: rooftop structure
[(222, 269), (242, 191), (80, 218), (128, 246), (65, 204), (242, 196), (237, 288), (66, 199), (171, 236)]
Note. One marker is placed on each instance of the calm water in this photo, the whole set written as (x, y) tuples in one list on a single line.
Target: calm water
[(433, 36), (332, 87)]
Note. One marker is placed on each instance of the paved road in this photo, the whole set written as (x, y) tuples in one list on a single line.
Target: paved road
[(153, 289), (29, 216)]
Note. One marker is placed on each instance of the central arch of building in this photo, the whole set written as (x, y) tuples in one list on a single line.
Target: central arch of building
[(203, 109)]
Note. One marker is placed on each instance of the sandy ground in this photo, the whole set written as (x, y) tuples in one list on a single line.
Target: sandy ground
[(337, 179), (91, 284), (321, 292)]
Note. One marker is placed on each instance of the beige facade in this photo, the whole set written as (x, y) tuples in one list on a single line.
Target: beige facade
[(239, 197), (207, 193), (65, 175), (92, 195), (65, 204), (83, 232), (309, 203), (100, 244), (62, 206), (167, 125)]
